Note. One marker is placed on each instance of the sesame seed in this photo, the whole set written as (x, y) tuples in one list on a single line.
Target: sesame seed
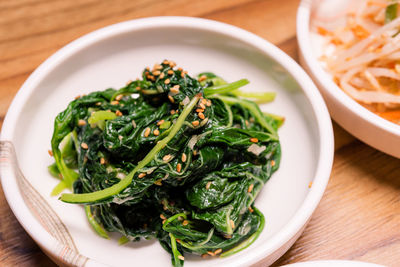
[(216, 252), (194, 152), (272, 163), (118, 113), (102, 161), (167, 81), (253, 140), (156, 132), (50, 152), (158, 182), (170, 72), (147, 132), (247, 123), (172, 112), (181, 257), (232, 224), (157, 67), (208, 185), (205, 255), (162, 75), (210, 253), (162, 217), (202, 78), (195, 123), (251, 209), (180, 69), (81, 122), (141, 175), (98, 104), (185, 222), (172, 64), (175, 89), (156, 72), (160, 122), (183, 157), (204, 101), (250, 188), (120, 137), (115, 102), (119, 97), (167, 157), (163, 221), (199, 110), (201, 115), (150, 77), (171, 99), (208, 104), (178, 167), (138, 88), (77, 97), (84, 146), (165, 62), (201, 105), (310, 184)]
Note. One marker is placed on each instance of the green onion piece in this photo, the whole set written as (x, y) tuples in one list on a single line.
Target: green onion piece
[(165, 125), (278, 118), (53, 170), (96, 226), (249, 240), (101, 116), (123, 240), (259, 97), (121, 185), (59, 188), (255, 111), (225, 88), (150, 92), (391, 12), (175, 252)]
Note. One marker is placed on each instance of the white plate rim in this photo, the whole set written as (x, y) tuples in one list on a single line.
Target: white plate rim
[(322, 174)]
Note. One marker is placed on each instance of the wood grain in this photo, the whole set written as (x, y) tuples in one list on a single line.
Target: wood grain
[(359, 215)]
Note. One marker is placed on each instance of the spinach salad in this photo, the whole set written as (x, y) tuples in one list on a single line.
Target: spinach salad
[(169, 156)]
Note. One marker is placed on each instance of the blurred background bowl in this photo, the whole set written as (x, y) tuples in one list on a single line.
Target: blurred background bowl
[(357, 120)]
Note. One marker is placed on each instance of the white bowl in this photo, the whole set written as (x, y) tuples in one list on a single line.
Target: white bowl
[(115, 54), (359, 121)]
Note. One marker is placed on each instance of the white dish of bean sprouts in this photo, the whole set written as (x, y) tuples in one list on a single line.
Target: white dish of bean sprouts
[(352, 51)]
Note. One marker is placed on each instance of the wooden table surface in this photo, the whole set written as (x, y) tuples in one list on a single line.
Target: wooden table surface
[(359, 215)]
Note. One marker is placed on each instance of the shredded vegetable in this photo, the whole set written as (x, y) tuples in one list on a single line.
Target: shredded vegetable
[(363, 55)]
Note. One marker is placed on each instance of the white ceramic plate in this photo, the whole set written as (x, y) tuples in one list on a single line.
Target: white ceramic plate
[(333, 263), (359, 121), (113, 55)]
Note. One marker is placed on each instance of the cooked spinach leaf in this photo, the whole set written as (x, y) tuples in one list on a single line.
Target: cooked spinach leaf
[(169, 156)]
